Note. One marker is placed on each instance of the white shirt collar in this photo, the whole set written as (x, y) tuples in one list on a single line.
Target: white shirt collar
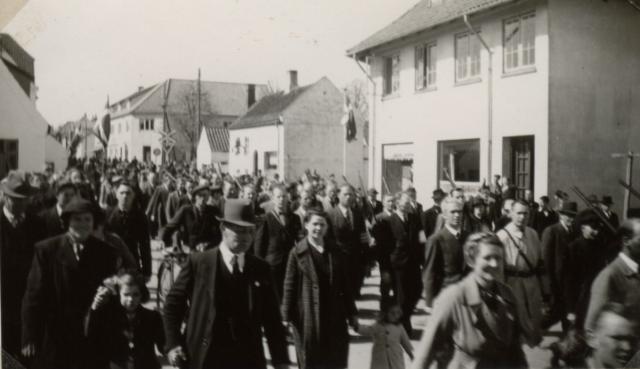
[(227, 255), (320, 248), (630, 262), (401, 215), (59, 210), (452, 231), (344, 210), (10, 217)]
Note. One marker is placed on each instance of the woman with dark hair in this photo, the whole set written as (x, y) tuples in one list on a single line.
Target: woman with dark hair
[(123, 333), (476, 316), (317, 302)]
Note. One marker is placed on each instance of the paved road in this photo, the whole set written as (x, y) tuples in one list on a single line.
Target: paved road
[(360, 349)]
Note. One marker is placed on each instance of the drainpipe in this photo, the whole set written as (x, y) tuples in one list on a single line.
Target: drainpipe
[(372, 123), (465, 19)]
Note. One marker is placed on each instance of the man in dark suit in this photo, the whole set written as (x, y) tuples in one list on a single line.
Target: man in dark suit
[(19, 231), (544, 217), (197, 222), (156, 209), (277, 234), (430, 217), (231, 299), (65, 192), (130, 224), (178, 198), (444, 259), (347, 228), (64, 277), (384, 244), (555, 242), (405, 257), (371, 206), (416, 207)]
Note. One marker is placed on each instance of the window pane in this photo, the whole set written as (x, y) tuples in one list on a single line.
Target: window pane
[(529, 40), (387, 75), (475, 56), (420, 61), (431, 65), (395, 77), (462, 53), (461, 159)]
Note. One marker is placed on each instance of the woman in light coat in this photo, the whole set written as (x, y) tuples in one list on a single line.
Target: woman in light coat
[(477, 316)]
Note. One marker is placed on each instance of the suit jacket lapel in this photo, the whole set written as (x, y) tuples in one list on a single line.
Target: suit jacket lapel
[(252, 282), (212, 272), (304, 259), (66, 255)]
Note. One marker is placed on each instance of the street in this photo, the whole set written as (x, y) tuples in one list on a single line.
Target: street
[(368, 307)]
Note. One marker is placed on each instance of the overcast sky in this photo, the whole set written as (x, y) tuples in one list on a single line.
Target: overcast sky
[(86, 49)]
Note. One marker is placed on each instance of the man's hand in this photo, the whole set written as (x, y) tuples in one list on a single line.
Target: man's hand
[(364, 238), (29, 350), (101, 297), (176, 356)]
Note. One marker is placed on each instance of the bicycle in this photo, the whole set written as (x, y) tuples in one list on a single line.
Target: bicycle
[(168, 271)]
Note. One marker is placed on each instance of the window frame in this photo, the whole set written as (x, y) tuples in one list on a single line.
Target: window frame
[(523, 47), (388, 74), (426, 66), (472, 44), (441, 146)]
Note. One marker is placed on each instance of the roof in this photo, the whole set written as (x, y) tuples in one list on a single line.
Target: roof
[(267, 111), (221, 98), (421, 17), (218, 139)]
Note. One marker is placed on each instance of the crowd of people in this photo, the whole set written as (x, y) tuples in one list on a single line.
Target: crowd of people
[(280, 260)]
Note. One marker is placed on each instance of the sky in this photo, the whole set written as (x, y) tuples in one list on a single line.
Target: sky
[(85, 50)]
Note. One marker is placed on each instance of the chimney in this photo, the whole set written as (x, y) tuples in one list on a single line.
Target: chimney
[(140, 88), (293, 80), (251, 95)]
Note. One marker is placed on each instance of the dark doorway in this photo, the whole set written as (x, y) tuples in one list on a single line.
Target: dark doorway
[(518, 162), (8, 156), (146, 153), (255, 162)]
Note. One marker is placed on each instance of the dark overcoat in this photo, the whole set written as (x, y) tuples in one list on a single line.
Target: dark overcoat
[(52, 222), (301, 306), (194, 229), (444, 263), (347, 239), (59, 293), (195, 287), (133, 228)]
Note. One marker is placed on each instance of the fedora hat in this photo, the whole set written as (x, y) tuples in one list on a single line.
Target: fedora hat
[(237, 212), (607, 200), (79, 206), (64, 184), (15, 185), (372, 191), (438, 194), (569, 208), (201, 187)]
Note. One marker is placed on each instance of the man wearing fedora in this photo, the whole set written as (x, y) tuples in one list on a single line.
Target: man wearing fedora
[(231, 299), (65, 192), (64, 277), (19, 231), (197, 222), (555, 242), (131, 225)]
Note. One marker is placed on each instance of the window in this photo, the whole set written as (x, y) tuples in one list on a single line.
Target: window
[(391, 74), (426, 57), (467, 57), (460, 159), (141, 124), (519, 42), (146, 124), (271, 160), (8, 156)]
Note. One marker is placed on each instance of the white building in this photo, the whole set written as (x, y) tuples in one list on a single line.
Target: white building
[(138, 120), (556, 110), (213, 148)]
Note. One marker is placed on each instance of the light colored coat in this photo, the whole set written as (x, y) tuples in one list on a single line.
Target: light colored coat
[(458, 318), (527, 291), (388, 342)]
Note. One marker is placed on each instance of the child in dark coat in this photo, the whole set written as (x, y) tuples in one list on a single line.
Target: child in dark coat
[(123, 332)]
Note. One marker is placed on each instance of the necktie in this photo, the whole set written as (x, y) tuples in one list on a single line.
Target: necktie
[(235, 266), (77, 249)]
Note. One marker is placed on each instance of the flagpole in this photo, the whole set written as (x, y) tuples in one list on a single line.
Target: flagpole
[(344, 151)]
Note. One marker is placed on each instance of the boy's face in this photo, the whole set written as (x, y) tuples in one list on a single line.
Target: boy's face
[(130, 298)]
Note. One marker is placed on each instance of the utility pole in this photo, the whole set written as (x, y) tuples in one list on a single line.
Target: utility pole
[(627, 195)]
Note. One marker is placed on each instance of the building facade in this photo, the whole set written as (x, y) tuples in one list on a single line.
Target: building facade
[(139, 123), (289, 133), (436, 116)]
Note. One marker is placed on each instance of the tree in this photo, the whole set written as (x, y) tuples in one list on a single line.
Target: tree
[(186, 121), (358, 92)]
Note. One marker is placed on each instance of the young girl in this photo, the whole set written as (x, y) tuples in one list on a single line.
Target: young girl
[(120, 329), (389, 339)]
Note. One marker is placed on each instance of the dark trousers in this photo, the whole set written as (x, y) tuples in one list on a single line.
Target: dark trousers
[(357, 267), (279, 271), (386, 287), (408, 286)]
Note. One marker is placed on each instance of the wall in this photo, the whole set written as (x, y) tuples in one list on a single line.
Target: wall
[(55, 153), (315, 137), (451, 112), (594, 96), (134, 139), (260, 139)]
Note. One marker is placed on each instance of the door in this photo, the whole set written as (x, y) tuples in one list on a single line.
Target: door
[(8, 156), (522, 155), (146, 153)]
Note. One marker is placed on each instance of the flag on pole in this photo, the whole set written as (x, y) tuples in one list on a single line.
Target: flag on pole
[(349, 120)]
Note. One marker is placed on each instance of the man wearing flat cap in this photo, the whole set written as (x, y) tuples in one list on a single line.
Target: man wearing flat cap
[(65, 192), (19, 231), (232, 300), (64, 277), (555, 243), (197, 222)]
